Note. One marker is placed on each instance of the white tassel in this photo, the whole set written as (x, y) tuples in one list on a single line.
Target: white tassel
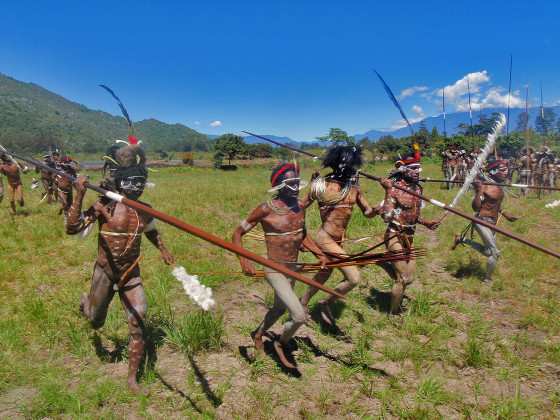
[(492, 138), (201, 294), (552, 205)]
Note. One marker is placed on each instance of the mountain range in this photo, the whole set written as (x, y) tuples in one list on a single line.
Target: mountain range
[(39, 117)]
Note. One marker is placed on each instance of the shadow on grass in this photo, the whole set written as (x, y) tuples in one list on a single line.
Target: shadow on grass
[(181, 393), (337, 308), (381, 301), (269, 350), (473, 268), (214, 400)]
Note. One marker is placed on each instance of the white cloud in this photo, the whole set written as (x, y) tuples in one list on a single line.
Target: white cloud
[(483, 95), (418, 111), (411, 91), (402, 123), (197, 123), (215, 124)]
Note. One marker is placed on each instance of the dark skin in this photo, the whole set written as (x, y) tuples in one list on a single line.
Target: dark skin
[(403, 208), (64, 190), (488, 198), (116, 255), (47, 179), (281, 249), (15, 187)]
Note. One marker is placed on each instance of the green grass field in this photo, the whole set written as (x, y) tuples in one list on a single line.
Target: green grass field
[(461, 349)]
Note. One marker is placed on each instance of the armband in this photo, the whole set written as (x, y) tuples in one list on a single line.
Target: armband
[(246, 226)]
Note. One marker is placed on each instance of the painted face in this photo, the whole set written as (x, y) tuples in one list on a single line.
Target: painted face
[(412, 172), (501, 173), (290, 190), (133, 186)]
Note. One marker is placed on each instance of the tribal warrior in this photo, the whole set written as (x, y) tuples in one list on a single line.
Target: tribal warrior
[(116, 268), (336, 195), (47, 178), (487, 203), (64, 185), (10, 168), (283, 221), (402, 212)]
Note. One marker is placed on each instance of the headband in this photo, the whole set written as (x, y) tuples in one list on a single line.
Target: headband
[(498, 163), (284, 169)]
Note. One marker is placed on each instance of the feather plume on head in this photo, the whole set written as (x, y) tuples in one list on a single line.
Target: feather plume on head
[(343, 160), (132, 162)]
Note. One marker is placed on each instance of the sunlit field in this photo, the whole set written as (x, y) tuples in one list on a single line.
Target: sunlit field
[(460, 349)]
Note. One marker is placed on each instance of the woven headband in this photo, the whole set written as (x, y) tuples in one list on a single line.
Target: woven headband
[(498, 163), (284, 169)]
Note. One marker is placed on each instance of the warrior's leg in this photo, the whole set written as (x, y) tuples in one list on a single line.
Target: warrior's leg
[(95, 305), (1, 190), (11, 195), (491, 248), (19, 195), (133, 300), (404, 271), (47, 192)]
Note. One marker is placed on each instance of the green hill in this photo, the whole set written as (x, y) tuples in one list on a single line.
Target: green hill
[(37, 118)]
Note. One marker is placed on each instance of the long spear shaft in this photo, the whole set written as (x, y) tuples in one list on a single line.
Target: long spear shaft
[(28, 154), (193, 230), (536, 187), (436, 203)]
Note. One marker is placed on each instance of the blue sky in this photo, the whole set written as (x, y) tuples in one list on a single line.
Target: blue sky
[(290, 68)]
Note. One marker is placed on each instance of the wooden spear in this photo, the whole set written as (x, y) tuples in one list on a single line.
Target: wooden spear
[(539, 187), (436, 203), (193, 230)]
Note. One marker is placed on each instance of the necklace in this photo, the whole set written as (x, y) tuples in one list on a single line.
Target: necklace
[(319, 191), (279, 209)]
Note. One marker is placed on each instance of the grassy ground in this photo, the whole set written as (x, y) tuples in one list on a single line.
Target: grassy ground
[(461, 349)]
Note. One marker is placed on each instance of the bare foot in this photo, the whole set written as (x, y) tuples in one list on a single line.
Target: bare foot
[(279, 347), (135, 387), (257, 339), (457, 241), (326, 313)]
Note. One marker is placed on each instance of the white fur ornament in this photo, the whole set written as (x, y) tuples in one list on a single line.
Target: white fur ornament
[(552, 205), (201, 294)]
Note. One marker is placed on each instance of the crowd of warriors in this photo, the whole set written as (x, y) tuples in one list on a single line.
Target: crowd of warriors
[(527, 167), (282, 219)]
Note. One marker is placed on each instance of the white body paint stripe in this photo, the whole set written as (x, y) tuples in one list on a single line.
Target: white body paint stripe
[(519, 185)]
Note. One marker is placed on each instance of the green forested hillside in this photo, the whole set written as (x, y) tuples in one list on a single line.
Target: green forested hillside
[(39, 119)]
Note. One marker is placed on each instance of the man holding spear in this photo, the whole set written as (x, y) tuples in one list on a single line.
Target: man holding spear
[(10, 168), (401, 210), (283, 221), (487, 203), (116, 268)]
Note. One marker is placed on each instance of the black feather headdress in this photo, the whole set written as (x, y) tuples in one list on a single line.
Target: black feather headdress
[(131, 138), (343, 159)]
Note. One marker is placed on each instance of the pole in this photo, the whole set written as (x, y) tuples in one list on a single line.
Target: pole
[(193, 230)]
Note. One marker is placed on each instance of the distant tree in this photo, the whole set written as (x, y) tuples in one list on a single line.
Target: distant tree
[(188, 158), (201, 145), (422, 128), (187, 147), (514, 142), (434, 132), (545, 125), (162, 154), (338, 137), (521, 123), (229, 146)]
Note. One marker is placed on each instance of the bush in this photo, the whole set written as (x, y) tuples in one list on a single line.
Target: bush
[(188, 158)]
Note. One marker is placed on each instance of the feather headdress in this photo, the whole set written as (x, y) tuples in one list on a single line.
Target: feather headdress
[(132, 140), (132, 162), (486, 150), (343, 159)]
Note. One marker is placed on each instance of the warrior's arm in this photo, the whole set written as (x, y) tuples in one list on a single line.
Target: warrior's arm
[(389, 201), (508, 217), (245, 226), (366, 209), (152, 234), (310, 244), (76, 221), (307, 200), (478, 195)]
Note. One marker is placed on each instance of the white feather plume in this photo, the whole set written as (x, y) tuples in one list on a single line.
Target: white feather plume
[(490, 142), (555, 203), (201, 294)]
